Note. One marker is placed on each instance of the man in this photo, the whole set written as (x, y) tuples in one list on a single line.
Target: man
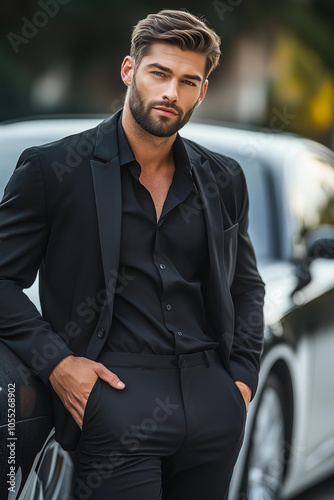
[(152, 304)]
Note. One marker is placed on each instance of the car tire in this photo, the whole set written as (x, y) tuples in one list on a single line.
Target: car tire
[(51, 477), (268, 446)]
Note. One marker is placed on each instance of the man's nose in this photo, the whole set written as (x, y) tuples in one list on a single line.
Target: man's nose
[(171, 91)]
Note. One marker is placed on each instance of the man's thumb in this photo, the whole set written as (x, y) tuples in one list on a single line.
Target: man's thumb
[(110, 377)]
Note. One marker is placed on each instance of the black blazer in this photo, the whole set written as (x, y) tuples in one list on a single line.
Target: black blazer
[(61, 215)]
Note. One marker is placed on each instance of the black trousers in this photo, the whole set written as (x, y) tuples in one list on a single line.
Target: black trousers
[(174, 432)]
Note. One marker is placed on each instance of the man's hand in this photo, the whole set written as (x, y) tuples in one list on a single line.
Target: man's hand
[(245, 391), (73, 379)]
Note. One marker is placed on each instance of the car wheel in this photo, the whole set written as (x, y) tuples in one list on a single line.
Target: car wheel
[(51, 476), (266, 458)]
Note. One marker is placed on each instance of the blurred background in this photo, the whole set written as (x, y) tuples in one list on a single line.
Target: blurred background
[(276, 70)]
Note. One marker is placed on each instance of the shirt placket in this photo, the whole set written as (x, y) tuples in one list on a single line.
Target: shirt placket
[(168, 305)]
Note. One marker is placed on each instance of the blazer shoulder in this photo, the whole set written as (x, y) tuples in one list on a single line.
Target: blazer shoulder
[(79, 139), (77, 149)]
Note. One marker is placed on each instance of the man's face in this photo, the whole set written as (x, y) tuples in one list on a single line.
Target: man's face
[(166, 88)]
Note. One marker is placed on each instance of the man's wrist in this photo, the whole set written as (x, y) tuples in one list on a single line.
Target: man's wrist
[(59, 366)]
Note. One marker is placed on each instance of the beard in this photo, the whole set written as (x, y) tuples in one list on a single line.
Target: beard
[(158, 126)]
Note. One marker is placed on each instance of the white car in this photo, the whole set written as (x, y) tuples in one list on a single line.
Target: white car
[(289, 439)]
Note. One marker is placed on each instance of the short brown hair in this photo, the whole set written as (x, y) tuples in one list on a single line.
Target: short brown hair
[(176, 27)]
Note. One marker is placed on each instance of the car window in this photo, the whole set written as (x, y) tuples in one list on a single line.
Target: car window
[(260, 207), (311, 195)]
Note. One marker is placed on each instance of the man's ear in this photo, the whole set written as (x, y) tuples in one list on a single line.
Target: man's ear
[(127, 70), (203, 92)]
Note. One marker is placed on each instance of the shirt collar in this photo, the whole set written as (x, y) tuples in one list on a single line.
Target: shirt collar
[(125, 153), (181, 158)]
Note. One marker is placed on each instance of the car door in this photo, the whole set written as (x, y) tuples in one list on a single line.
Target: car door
[(311, 197)]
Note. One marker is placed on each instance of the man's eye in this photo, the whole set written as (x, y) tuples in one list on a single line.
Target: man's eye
[(158, 73), (187, 82)]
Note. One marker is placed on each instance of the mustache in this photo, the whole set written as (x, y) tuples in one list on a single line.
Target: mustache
[(167, 104)]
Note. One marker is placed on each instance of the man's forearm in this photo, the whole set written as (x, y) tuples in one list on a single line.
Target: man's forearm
[(23, 330)]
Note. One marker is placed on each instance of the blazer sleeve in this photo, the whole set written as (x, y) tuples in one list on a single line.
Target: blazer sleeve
[(247, 292), (24, 234)]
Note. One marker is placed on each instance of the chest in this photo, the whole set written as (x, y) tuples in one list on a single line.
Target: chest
[(179, 234), (158, 187)]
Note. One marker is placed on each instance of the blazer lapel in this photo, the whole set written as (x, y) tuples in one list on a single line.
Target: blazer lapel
[(209, 194), (218, 299), (107, 187)]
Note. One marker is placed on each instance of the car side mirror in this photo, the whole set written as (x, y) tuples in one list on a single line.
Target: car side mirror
[(319, 245)]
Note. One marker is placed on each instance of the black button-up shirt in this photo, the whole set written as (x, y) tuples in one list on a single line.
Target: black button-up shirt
[(159, 307)]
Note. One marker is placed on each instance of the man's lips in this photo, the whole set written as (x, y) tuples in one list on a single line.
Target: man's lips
[(165, 111)]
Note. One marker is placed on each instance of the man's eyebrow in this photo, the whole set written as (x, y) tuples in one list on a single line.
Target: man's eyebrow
[(168, 70)]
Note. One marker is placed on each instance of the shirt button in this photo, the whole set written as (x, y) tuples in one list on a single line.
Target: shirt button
[(162, 266), (180, 334), (100, 333), (168, 307)]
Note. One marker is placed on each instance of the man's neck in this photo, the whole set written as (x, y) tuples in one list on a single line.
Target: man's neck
[(151, 152)]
